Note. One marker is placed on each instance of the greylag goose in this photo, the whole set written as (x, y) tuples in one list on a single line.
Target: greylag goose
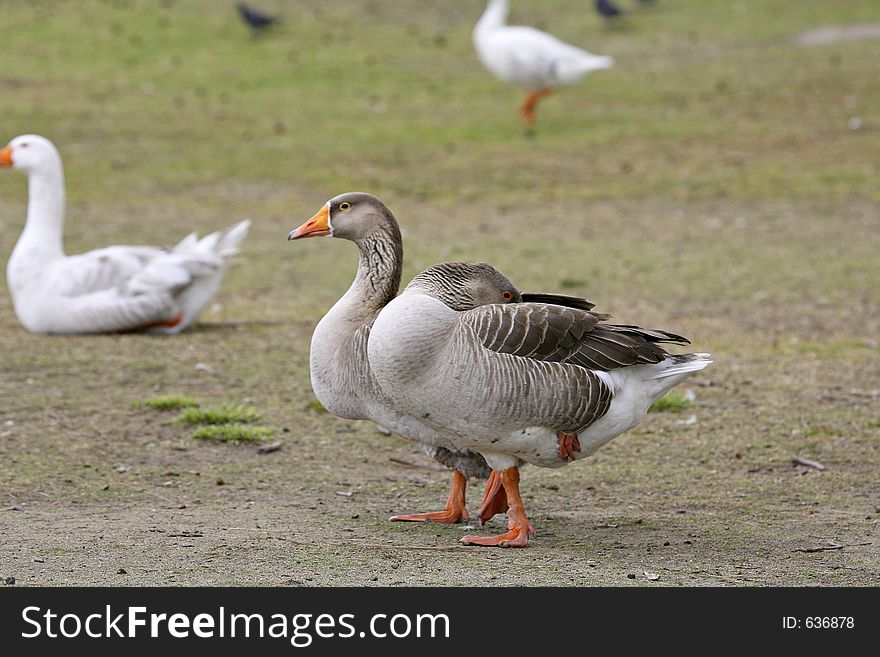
[(530, 58), (114, 289), (340, 373), (521, 382)]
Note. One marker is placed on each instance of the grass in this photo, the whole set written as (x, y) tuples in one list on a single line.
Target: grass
[(222, 414), (672, 402), (709, 184), (233, 433), (168, 403)]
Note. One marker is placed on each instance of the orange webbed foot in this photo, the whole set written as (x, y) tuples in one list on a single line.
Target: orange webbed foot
[(445, 517), (516, 537), (519, 527), (455, 506)]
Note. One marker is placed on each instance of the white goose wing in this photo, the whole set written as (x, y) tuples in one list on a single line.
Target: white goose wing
[(123, 288), (100, 269)]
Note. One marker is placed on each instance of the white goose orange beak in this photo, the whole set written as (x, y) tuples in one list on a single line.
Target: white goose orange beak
[(6, 156), (317, 226)]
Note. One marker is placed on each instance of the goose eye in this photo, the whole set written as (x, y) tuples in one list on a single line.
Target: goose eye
[(345, 205), (507, 296), (24, 145)]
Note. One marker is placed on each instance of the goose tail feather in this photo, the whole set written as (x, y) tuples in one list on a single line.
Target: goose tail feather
[(683, 364)]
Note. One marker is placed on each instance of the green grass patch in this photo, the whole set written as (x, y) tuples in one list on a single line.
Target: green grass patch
[(168, 403), (218, 415), (315, 405), (672, 402), (233, 433)]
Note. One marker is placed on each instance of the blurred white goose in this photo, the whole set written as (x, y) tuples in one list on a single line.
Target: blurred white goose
[(519, 383), (114, 289), (527, 57)]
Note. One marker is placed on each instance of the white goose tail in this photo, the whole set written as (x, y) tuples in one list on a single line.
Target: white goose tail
[(642, 385), (205, 260), (681, 365), (222, 243), (662, 377)]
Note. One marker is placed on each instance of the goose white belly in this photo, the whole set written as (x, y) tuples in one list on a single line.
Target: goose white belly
[(540, 445)]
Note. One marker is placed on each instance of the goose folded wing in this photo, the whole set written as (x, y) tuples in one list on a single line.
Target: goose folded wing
[(101, 269), (555, 333), (171, 272)]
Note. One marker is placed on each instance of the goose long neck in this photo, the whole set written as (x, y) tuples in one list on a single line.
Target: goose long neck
[(380, 267), (45, 214), (495, 16)]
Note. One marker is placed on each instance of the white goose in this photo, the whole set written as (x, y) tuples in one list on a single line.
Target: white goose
[(520, 383), (530, 58), (114, 289)]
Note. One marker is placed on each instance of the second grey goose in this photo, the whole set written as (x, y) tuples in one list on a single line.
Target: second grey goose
[(520, 383), (340, 373)]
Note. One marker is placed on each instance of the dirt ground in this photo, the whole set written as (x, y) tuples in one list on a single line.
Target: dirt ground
[(98, 491)]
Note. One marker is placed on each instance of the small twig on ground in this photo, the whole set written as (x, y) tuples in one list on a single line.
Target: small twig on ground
[(820, 548), (268, 449), (416, 466), (430, 548), (800, 460)]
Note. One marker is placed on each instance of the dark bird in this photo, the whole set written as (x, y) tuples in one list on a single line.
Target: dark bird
[(608, 10), (257, 20)]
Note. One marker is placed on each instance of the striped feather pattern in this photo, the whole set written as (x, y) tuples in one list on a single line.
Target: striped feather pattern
[(559, 334), (535, 391)]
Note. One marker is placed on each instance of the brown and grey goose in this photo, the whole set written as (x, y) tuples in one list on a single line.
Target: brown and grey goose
[(519, 383), (340, 373)]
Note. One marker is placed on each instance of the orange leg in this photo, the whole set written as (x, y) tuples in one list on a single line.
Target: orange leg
[(568, 445), (454, 511), (168, 323), (517, 522), (494, 499), (527, 109)]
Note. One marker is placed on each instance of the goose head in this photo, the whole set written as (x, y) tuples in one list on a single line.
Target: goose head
[(464, 285), (30, 153), (352, 216)]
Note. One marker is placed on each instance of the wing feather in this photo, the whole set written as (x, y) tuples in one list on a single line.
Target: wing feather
[(566, 334)]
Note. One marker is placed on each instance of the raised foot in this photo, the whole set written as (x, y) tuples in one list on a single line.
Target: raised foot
[(569, 445), (446, 517), (494, 499)]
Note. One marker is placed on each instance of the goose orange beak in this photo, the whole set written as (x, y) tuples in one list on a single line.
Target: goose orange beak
[(317, 226), (6, 156)]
